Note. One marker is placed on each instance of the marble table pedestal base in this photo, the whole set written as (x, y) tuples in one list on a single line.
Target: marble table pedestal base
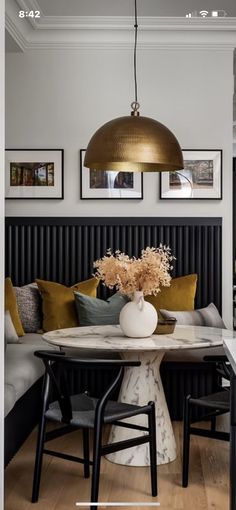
[(139, 386)]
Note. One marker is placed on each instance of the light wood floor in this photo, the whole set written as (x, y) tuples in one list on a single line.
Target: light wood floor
[(63, 484)]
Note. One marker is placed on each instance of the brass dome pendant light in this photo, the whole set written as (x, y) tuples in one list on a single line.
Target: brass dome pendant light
[(134, 143)]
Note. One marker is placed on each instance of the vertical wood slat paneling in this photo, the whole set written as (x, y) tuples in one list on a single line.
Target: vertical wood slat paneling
[(64, 252), (54, 252), (181, 379), (28, 251), (16, 252), (33, 252), (73, 260), (186, 268)]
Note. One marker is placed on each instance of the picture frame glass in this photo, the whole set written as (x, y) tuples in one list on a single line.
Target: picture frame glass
[(34, 173), (101, 184), (201, 177)]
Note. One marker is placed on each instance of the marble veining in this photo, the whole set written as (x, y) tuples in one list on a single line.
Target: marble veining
[(141, 384), (112, 338)]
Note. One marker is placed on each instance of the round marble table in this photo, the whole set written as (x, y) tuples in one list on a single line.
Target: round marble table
[(141, 384)]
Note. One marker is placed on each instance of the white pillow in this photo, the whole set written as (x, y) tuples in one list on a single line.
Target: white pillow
[(11, 336), (208, 316)]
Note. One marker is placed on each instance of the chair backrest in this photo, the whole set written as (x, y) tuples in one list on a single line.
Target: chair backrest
[(222, 364), (57, 365)]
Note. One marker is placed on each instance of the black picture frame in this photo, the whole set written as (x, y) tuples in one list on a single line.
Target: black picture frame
[(23, 192), (102, 193), (213, 192)]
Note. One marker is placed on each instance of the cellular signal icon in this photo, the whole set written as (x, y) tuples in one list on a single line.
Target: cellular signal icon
[(203, 14)]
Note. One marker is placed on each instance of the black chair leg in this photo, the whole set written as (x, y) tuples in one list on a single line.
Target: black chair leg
[(213, 423), (38, 460), (153, 448), (96, 464), (86, 452), (186, 441)]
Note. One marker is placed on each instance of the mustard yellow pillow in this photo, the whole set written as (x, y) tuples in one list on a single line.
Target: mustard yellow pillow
[(59, 310), (179, 296), (11, 306)]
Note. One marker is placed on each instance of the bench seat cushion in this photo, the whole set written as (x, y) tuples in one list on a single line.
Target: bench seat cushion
[(9, 398), (22, 368)]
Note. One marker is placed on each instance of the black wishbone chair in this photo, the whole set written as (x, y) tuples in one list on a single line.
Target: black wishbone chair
[(84, 412), (213, 405)]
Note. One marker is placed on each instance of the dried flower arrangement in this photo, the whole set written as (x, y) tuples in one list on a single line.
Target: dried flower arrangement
[(130, 274)]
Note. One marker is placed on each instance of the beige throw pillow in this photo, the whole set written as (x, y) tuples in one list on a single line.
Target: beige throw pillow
[(11, 336)]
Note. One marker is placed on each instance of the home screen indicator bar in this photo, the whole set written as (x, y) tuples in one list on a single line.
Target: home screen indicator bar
[(124, 504)]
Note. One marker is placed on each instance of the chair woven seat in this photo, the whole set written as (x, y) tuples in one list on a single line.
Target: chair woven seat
[(220, 400), (83, 411)]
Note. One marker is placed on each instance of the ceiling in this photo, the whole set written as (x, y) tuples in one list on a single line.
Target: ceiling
[(11, 45), (126, 7), (103, 24), (73, 24)]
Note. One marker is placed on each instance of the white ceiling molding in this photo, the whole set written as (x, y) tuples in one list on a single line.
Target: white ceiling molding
[(127, 23), (17, 28), (30, 5), (109, 33), (16, 35)]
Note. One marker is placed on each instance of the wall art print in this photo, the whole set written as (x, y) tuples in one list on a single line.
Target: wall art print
[(101, 184), (34, 173), (201, 177)]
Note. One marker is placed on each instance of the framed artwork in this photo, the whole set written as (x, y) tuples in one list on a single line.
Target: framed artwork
[(102, 184), (34, 173), (201, 177)]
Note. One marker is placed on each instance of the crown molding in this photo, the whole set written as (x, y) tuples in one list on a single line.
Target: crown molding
[(127, 23), (17, 28), (124, 22), (112, 47), (30, 5), (15, 33), (111, 33)]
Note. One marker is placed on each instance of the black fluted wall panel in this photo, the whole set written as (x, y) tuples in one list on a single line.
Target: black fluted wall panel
[(63, 249), (188, 378)]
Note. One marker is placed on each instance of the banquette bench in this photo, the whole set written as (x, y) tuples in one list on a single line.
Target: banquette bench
[(63, 250)]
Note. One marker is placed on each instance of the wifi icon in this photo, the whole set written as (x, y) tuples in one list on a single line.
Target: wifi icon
[(203, 13)]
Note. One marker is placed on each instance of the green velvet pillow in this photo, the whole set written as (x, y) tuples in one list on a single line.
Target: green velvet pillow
[(97, 312)]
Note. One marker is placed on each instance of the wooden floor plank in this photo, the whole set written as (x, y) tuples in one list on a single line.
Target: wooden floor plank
[(63, 483)]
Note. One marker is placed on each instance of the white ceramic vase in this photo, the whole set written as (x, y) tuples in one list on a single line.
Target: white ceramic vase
[(138, 318)]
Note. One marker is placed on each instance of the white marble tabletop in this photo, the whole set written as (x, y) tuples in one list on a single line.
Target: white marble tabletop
[(230, 351), (111, 338)]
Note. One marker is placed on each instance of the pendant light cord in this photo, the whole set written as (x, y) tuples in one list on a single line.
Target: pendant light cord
[(135, 105), (135, 51)]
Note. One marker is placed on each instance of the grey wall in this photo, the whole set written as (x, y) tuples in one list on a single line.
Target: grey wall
[(58, 100)]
